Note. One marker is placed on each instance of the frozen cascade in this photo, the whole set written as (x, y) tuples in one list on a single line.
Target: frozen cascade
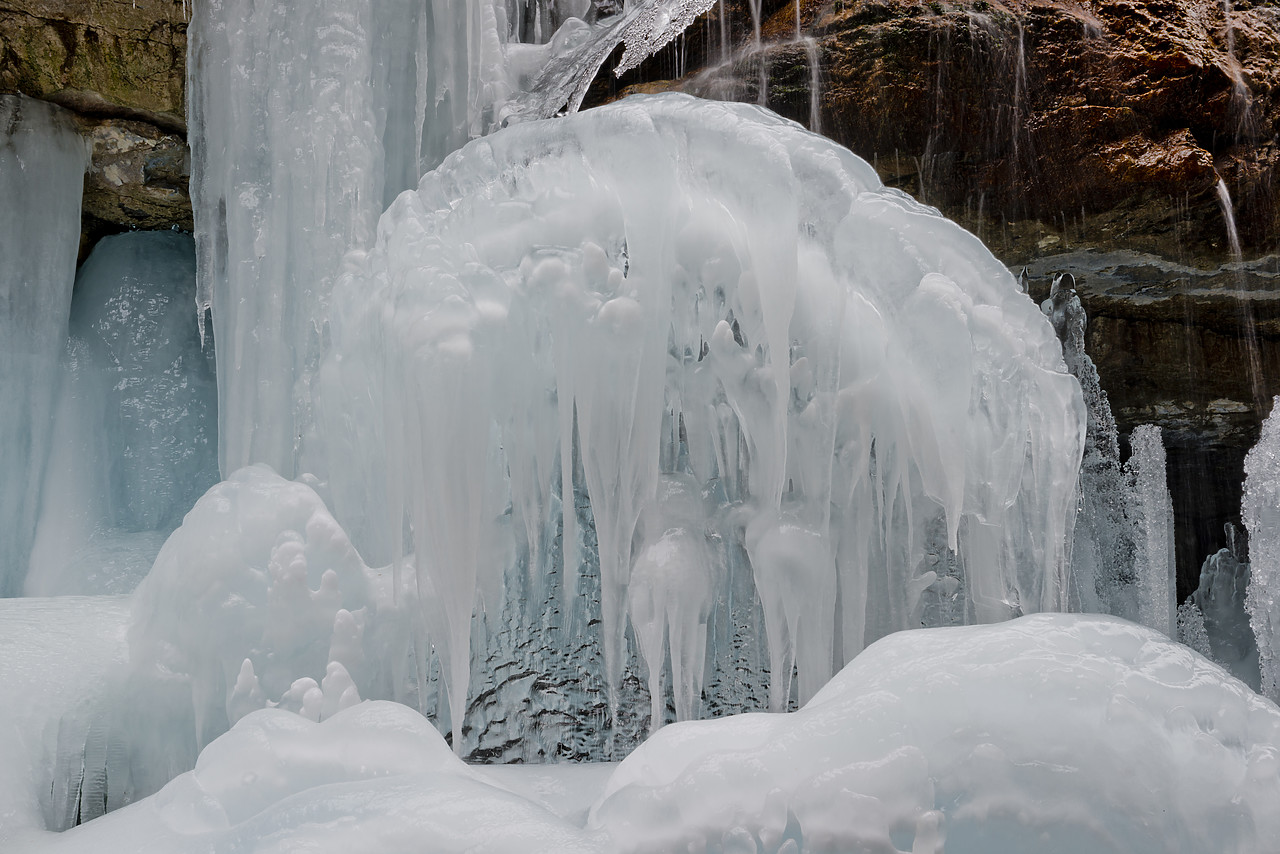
[(1151, 509), (592, 292), (133, 438), (1260, 509), (42, 163), (306, 121)]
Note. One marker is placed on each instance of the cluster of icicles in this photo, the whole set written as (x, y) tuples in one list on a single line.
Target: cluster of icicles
[(734, 336)]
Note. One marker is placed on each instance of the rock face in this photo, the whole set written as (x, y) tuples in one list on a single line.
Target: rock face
[(120, 67), (1039, 124), (115, 58)]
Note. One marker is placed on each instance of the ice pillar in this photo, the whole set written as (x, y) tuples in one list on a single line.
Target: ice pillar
[(42, 163)]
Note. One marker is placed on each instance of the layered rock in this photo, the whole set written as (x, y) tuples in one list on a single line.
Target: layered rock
[(120, 67)]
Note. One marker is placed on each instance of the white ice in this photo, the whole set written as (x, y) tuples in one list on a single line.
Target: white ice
[(1260, 509), (672, 291), (42, 163), (1070, 734)]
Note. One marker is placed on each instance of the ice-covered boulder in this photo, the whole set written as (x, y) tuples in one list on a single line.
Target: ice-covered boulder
[(1049, 733)]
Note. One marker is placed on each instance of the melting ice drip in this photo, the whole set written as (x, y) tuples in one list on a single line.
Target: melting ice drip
[(737, 334)]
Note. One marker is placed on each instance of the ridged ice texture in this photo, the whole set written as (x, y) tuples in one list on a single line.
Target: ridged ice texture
[(1260, 509), (700, 305), (1102, 551), (134, 426), (42, 163)]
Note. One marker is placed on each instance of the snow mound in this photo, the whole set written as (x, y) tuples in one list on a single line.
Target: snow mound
[(1051, 733)]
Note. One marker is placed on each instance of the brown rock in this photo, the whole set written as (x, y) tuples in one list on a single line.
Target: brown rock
[(115, 58)]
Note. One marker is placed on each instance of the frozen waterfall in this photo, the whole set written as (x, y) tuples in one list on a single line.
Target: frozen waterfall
[(42, 161), (552, 430), (667, 291)]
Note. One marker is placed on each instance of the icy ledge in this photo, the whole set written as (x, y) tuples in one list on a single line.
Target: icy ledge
[(1070, 733)]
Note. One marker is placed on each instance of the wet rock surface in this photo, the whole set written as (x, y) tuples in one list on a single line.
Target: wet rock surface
[(1070, 136)]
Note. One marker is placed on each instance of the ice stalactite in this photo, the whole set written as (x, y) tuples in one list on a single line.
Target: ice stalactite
[(1151, 510), (694, 303), (42, 163), (287, 175), (1261, 511)]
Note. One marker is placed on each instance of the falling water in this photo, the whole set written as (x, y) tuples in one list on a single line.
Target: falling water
[(1229, 217), (1248, 326), (815, 79)]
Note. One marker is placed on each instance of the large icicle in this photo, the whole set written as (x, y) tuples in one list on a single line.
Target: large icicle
[(671, 275), (42, 163)]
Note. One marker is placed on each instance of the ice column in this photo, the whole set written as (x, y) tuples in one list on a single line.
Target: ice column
[(287, 176), (1152, 512), (42, 163), (1261, 511)]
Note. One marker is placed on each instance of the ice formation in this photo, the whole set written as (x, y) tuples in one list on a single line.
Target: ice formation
[(669, 291), (305, 121), (259, 599), (134, 444), (1219, 599), (664, 409), (1260, 509), (1102, 550), (1084, 734), (1152, 513), (42, 163)]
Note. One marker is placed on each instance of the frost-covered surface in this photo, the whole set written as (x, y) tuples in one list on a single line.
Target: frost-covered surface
[(576, 53), (1076, 735), (306, 120), (42, 163), (1260, 509), (58, 661), (668, 300), (134, 434), (1151, 510)]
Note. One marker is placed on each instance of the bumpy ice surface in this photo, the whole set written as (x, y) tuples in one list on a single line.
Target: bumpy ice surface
[(1050, 733)]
